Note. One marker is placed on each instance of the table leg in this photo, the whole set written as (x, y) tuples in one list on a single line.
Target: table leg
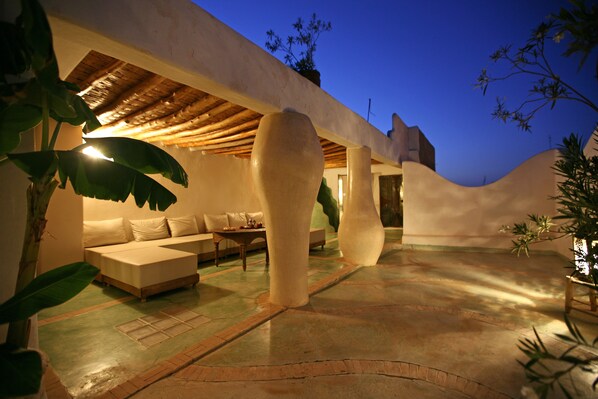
[(243, 253), (267, 256), (216, 244)]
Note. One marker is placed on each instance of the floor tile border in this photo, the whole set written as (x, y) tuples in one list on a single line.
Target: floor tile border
[(325, 368), (88, 309)]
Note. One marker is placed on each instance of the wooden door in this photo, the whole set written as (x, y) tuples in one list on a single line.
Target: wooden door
[(391, 204)]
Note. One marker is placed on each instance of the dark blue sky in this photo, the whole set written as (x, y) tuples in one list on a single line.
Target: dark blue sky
[(420, 59)]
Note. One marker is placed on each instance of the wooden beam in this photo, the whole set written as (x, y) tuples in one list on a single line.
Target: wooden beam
[(250, 125), (167, 100), (240, 150), (127, 96), (207, 107), (100, 75), (227, 144), (233, 137), (225, 123)]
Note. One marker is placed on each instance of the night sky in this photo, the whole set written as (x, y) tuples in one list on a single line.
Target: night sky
[(420, 59)]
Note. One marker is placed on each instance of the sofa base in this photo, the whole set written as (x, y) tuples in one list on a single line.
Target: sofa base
[(144, 292), (317, 244)]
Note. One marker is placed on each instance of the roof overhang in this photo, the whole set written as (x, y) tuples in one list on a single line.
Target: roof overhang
[(178, 45)]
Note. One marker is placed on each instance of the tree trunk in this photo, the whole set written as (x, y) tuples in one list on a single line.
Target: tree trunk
[(38, 198)]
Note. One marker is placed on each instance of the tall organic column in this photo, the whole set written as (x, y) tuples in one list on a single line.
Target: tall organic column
[(287, 165), (360, 234)]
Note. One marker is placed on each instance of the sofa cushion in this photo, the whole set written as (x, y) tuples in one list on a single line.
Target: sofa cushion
[(148, 266), (103, 232), (257, 216), (215, 222), (236, 219), (149, 229), (182, 226)]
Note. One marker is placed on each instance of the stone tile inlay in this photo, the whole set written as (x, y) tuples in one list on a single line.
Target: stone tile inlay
[(158, 327)]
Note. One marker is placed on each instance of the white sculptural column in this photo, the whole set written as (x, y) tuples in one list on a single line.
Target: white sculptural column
[(360, 234), (287, 164)]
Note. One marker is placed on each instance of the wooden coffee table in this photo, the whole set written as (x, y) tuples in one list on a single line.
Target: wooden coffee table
[(243, 237)]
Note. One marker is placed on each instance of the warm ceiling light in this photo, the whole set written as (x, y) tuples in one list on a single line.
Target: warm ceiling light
[(93, 152)]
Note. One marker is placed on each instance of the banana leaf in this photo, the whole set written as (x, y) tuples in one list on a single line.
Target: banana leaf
[(139, 155), (21, 371), (48, 289), (103, 179), (329, 204)]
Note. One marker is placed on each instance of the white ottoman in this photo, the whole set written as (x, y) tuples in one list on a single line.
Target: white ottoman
[(148, 271)]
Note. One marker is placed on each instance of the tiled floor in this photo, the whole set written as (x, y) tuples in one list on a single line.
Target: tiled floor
[(104, 336), (158, 327), (420, 324)]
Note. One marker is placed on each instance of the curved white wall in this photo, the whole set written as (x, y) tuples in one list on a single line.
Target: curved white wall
[(438, 212)]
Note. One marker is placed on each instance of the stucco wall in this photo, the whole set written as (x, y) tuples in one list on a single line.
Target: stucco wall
[(438, 212), (61, 243), (13, 203), (217, 184)]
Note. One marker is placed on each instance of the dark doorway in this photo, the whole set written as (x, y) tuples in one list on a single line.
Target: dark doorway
[(391, 204)]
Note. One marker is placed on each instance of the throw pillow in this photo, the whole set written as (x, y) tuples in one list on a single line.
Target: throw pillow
[(182, 226), (215, 222), (236, 219), (257, 216), (149, 229), (103, 232)]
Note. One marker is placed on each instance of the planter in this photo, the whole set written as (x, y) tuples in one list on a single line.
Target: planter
[(311, 75), (287, 164), (361, 234)]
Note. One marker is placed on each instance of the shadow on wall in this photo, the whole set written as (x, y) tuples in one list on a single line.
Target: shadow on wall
[(438, 212)]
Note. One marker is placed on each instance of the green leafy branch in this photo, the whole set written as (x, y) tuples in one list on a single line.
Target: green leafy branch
[(538, 228), (578, 27), (307, 36), (547, 370)]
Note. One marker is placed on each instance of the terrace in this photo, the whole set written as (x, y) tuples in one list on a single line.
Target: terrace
[(438, 314), (427, 324)]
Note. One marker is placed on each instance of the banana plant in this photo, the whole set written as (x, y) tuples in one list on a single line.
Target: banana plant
[(32, 95)]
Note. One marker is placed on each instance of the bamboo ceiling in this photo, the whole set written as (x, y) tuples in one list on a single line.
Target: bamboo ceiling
[(132, 102)]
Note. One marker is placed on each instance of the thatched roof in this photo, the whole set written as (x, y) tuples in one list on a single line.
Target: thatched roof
[(132, 102)]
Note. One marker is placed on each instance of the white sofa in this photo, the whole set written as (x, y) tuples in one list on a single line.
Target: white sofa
[(139, 267)]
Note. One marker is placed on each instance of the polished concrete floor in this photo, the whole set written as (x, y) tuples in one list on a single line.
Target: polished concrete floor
[(419, 324)]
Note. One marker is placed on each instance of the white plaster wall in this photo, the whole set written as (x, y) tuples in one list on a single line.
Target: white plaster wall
[(61, 242), (438, 212), (13, 203), (217, 184), (180, 41)]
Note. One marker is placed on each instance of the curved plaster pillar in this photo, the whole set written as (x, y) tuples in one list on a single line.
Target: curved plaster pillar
[(360, 234), (287, 164)]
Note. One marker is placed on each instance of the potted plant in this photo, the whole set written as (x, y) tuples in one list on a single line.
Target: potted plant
[(306, 35), (578, 209), (32, 94)]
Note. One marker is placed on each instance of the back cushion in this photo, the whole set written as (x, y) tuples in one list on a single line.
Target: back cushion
[(257, 216), (236, 219), (149, 229), (215, 222), (182, 226), (103, 232)]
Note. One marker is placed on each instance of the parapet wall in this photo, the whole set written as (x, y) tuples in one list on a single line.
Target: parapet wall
[(440, 213)]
